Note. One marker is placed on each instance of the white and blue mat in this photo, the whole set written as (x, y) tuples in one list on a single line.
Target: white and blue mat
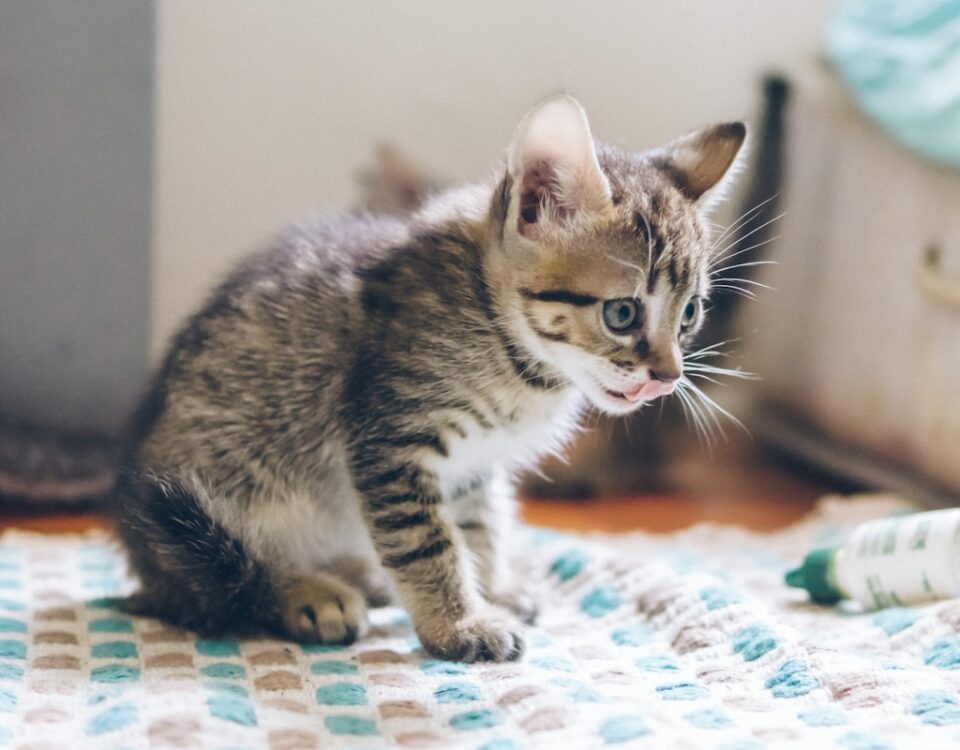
[(688, 640)]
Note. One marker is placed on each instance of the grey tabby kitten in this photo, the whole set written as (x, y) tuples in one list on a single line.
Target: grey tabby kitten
[(341, 421)]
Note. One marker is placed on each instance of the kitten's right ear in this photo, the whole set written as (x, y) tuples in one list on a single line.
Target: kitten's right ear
[(698, 162), (552, 162)]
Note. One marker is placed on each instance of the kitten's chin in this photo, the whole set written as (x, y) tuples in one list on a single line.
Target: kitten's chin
[(618, 403), (608, 397), (609, 403), (604, 399)]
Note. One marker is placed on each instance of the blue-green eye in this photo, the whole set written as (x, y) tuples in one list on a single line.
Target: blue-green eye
[(691, 314), (619, 314)]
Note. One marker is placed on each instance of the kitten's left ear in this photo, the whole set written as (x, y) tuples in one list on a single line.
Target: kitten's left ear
[(698, 162), (553, 163)]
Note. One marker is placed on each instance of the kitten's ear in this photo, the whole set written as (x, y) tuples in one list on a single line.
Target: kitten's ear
[(553, 164), (698, 162)]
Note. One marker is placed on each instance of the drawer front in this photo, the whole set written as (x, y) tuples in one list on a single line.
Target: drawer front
[(855, 336)]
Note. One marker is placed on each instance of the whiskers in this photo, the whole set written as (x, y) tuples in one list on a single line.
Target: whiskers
[(741, 221), (726, 250), (701, 411), (739, 286)]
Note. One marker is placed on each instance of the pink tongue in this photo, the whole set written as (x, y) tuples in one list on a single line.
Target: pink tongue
[(650, 390)]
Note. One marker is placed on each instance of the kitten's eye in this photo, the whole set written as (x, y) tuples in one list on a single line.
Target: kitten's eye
[(619, 314), (691, 314)]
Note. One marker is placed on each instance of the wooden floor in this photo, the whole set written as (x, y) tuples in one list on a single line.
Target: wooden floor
[(740, 485)]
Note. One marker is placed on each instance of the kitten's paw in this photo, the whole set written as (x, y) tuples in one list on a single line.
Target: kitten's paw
[(323, 609), (519, 600), (487, 636)]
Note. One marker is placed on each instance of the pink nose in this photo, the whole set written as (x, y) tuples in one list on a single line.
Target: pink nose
[(650, 390)]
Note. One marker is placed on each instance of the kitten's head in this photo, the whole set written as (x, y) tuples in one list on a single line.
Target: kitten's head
[(606, 252)]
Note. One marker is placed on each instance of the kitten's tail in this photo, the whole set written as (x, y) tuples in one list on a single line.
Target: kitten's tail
[(47, 469)]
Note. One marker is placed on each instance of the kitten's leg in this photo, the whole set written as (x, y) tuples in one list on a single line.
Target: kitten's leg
[(485, 512), (430, 565), (192, 572)]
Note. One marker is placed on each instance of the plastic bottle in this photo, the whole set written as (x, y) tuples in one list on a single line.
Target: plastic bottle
[(888, 562)]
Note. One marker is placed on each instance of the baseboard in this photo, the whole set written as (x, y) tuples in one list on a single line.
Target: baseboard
[(792, 436)]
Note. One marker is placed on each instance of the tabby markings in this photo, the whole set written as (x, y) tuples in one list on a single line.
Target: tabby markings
[(564, 296), (402, 559)]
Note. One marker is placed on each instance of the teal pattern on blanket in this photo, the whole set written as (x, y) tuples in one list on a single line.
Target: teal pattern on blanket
[(937, 707), (355, 726), (657, 663), (12, 625), (863, 741), (578, 691), (13, 649), (481, 718), (708, 718), (500, 743), (115, 673), (641, 651), (224, 670), (110, 625), (621, 729), (342, 694), (457, 692), (682, 691), (569, 564), (896, 619), (944, 654), (754, 641), (334, 667), (792, 680), (112, 719), (10, 672), (218, 648), (631, 635), (114, 650), (229, 706), (601, 601), (718, 597)]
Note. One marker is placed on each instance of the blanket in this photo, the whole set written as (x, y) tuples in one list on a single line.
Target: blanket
[(688, 640)]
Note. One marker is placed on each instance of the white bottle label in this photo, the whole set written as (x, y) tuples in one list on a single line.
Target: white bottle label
[(903, 560)]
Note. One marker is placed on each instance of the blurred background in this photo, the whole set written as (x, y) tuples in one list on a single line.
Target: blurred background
[(146, 146)]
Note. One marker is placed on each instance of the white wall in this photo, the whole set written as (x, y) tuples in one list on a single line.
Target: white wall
[(267, 108)]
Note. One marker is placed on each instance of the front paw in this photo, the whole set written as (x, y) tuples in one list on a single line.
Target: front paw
[(486, 636)]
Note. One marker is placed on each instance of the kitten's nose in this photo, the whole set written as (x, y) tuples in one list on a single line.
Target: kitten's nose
[(665, 374)]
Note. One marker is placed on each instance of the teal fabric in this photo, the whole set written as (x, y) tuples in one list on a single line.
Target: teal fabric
[(900, 60)]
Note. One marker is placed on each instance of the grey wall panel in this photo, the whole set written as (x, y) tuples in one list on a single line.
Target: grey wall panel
[(76, 140)]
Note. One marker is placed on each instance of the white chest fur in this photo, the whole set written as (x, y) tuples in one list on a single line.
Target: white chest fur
[(541, 424)]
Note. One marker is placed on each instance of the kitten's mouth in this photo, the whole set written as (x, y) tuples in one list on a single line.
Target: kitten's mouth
[(631, 398), (646, 391)]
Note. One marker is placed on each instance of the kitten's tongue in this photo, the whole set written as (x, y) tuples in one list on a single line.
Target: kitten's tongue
[(650, 390)]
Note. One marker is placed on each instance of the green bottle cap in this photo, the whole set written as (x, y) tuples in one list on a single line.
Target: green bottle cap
[(816, 575)]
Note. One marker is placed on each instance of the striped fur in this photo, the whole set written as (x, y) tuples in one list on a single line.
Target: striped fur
[(340, 422)]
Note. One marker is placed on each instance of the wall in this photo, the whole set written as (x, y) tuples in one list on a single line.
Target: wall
[(76, 139), (266, 110)]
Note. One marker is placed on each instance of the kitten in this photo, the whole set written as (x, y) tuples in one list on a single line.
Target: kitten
[(340, 423)]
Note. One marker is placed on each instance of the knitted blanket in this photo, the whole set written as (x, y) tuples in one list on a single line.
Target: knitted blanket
[(688, 640)]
